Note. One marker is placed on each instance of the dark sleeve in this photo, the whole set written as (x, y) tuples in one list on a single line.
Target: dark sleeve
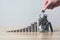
[(51, 27)]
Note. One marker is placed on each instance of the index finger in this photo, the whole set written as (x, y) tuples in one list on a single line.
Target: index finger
[(47, 3)]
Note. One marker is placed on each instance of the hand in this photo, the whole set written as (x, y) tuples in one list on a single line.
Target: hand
[(50, 4)]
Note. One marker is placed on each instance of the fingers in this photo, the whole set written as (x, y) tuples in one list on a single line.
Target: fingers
[(51, 6), (47, 3)]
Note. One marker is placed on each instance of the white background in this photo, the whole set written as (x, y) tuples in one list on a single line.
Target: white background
[(24, 12)]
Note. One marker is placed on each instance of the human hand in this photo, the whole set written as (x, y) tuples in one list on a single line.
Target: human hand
[(50, 4)]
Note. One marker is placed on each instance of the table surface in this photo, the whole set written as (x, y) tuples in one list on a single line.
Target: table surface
[(30, 35)]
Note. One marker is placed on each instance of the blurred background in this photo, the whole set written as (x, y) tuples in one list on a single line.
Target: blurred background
[(22, 13)]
